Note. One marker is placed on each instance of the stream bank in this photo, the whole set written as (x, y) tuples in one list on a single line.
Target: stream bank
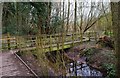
[(84, 60)]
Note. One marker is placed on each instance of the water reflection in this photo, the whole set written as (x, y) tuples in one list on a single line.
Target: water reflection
[(81, 70)]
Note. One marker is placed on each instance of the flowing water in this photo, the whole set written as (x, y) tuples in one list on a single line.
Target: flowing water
[(82, 70)]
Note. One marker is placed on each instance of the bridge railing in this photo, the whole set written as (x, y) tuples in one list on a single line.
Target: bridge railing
[(11, 42)]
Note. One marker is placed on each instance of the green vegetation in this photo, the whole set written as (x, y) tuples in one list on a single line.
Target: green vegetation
[(103, 59), (41, 28), (28, 19), (111, 70)]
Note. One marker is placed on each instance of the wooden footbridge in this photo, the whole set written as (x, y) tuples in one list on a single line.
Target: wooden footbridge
[(46, 43)]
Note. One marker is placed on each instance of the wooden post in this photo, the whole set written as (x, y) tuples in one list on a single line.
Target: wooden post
[(72, 39), (58, 43), (8, 41), (81, 36), (62, 41), (50, 47), (36, 43), (95, 36), (89, 35), (16, 40), (75, 68)]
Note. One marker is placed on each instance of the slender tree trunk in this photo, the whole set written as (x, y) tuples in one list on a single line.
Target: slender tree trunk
[(75, 34), (115, 8), (63, 17), (75, 17), (63, 28), (63, 36), (1, 10), (17, 23), (68, 16), (75, 20), (49, 14), (81, 23)]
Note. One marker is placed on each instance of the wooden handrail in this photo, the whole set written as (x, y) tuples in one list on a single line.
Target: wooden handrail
[(31, 40)]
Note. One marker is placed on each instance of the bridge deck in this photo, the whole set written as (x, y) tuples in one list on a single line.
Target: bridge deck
[(55, 48)]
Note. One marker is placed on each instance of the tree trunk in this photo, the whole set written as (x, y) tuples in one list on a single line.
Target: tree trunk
[(48, 18), (68, 16), (75, 17), (1, 10), (115, 8), (63, 28), (75, 20)]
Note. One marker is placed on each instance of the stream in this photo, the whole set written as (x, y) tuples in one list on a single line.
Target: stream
[(82, 70), (79, 68)]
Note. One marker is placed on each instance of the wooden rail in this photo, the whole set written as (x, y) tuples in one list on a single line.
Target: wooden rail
[(48, 43), (28, 67)]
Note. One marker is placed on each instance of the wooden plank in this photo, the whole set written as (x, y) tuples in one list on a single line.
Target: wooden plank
[(53, 41), (8, 39), (54, 46)]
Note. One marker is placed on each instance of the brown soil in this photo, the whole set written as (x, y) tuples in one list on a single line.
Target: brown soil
[(100, 56), (11, 66), (37, 66)]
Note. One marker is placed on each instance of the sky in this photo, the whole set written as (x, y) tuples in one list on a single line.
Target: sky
[(86, 8)]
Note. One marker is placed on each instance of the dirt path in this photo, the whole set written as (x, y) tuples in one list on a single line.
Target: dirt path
[(11, 66)]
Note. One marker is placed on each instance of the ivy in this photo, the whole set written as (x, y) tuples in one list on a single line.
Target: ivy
[(111, 71)]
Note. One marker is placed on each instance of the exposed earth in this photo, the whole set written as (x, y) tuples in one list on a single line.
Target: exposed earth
[(11, 66)]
